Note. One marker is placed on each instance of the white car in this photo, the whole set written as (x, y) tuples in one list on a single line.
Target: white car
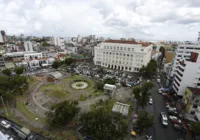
[(173, 117), (160, 91), (158, 80), (5, 124), (150, 101), (164, 119)]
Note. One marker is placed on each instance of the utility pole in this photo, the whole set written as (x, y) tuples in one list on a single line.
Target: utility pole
[(4, 106)]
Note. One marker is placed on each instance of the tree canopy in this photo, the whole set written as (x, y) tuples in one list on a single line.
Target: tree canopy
[(141, 93), (109, 81), (56, 64), (62, 113), (196, 127), (6, 72), (144, 121), (69, 61), (19, 70), (99, 85), (104, 124), (149, 70)]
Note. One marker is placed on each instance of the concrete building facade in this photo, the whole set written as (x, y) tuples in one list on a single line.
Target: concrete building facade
[(187, 73), (182, 51), (28, 46), (122, 55)]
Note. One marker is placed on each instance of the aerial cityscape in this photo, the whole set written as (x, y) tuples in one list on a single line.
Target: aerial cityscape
[(100, 70)]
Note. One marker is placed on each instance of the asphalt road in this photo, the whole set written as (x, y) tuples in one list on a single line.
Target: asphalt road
[(158, 131)]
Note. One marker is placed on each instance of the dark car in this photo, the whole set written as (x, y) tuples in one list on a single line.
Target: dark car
[(88, 138), (172, 112), (177, 127)]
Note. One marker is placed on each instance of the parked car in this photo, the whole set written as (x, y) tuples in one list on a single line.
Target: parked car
[(158, 80), (177, 121), (164, 119), (5, 124), (173, 117), (177, 127), (172, 112)]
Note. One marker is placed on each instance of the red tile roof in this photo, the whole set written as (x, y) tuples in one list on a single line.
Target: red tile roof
[(145, 44), (194, 90)]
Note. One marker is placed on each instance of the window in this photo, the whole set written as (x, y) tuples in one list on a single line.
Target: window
[(120, 54), (132, 49), (131, 55), (181, 47), (111, 47), (189, 48), (125, 48), (116, 53), (114, 47), (107, 47), (128, 49), (142, 50), (124, 54), (197, 101), (129, 68), (194, 106), (179, 55), (117, 48), (128, 55), (120, 48)]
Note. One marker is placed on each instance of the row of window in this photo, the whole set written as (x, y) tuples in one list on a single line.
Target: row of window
[(123, 62), (122, 54), (191, 48), (120, 48), (131, 59)]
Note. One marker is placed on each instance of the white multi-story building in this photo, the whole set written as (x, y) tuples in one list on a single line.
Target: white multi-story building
[(57, 41), (33, 55), (122, 55), (182, 51), (187, 73), (28, 46)]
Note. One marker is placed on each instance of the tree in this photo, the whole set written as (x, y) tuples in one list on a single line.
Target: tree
[(104, 124), (142, 71), (141, 93), (55, 64), (196, 127), (6, 72), (19, 70), (99, 85), (69, 61), (62, 113), (109, 81), (144, 121), (149, 70)]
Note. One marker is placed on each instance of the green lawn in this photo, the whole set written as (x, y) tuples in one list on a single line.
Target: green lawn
[(53, 90), (29, 115)]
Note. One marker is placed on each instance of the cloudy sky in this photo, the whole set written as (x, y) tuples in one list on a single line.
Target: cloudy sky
[(140, 19)]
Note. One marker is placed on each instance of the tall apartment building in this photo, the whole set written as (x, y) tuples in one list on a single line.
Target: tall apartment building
[(182, 51), (57, 41), (28, 46), (122, 55), (187, 73), (2, 36)]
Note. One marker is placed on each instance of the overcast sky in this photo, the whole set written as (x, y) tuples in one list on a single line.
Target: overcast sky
[(140, 19)]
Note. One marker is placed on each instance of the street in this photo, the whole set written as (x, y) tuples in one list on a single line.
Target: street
[(158, 131)]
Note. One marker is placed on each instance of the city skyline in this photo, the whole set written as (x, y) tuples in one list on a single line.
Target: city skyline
[(140, 19)]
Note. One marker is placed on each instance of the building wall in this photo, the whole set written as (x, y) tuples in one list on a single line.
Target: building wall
[(190, 77), (28, 46), (32, 55), (182, 51), (190, 99), (128, 57)]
